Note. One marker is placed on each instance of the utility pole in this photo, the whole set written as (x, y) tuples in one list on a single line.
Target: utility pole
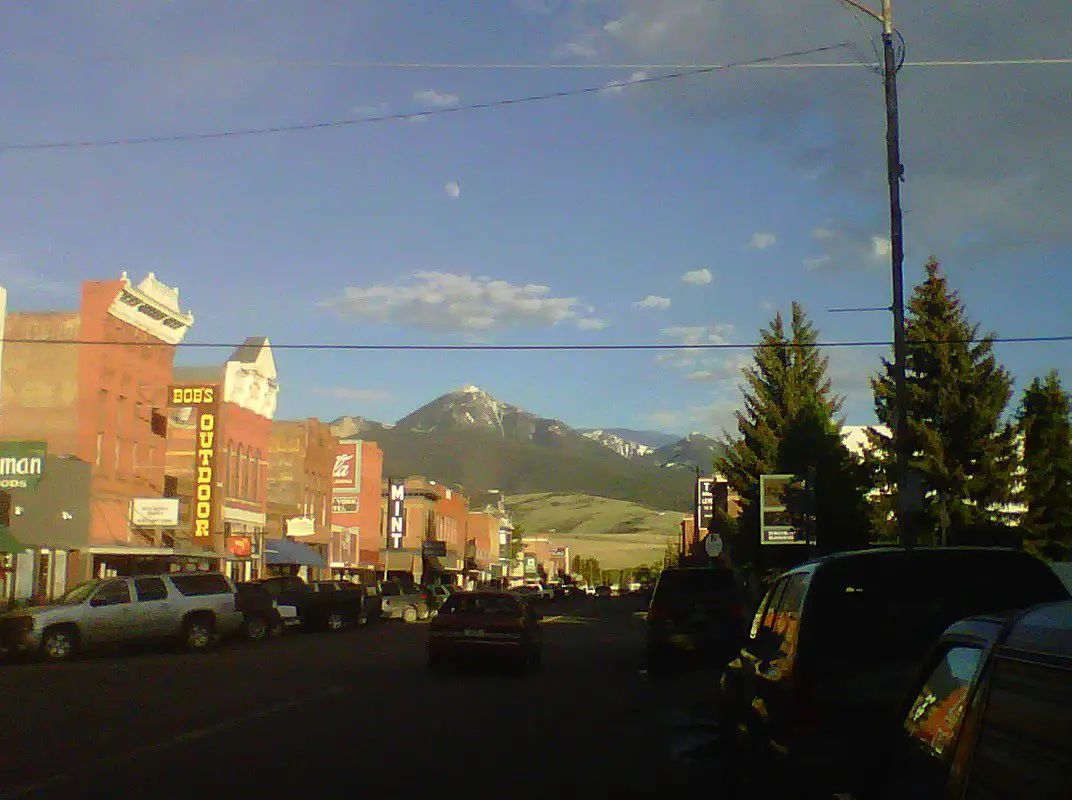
[(895, 174)]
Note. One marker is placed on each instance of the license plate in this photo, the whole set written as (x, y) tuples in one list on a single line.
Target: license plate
[(474, 632)]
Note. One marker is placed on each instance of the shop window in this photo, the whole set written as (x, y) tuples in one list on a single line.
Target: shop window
[(158, 423)]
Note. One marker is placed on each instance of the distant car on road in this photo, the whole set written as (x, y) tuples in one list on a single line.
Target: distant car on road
[(479, 624), (407, 603)]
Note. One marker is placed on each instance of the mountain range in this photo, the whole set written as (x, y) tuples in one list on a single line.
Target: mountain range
[(470, 439)]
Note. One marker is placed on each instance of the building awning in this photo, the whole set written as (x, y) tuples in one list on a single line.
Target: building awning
[(9, 544), (400, 560), (284, 551)]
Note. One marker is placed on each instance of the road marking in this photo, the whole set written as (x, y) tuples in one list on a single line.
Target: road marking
[(163, 746)]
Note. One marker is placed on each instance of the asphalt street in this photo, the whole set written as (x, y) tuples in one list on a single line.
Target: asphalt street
[(345, 714)]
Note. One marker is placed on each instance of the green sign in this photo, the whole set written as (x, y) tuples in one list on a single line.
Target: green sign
[(21, 464)]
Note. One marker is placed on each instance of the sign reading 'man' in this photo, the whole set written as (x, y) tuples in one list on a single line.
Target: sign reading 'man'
[(22, 464), (396, 513)]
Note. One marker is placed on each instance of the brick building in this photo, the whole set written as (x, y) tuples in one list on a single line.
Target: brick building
[(432, 511), (246, 396), (356, 537), (301, 458), (484, 543), (97, 393)]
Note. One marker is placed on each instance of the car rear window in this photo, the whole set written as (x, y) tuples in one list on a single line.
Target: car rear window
[(201, 584), (696, 583), (487, 604), (901, 602)]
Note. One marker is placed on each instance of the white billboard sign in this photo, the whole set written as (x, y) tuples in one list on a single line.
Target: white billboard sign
[(300, 526), (154, 512)]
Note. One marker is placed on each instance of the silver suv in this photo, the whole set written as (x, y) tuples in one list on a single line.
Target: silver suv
[(197, 608)]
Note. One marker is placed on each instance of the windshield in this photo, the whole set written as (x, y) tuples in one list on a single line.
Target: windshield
[(80, 593)]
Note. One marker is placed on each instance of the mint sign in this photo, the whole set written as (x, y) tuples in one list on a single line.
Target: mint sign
[(22, 464)]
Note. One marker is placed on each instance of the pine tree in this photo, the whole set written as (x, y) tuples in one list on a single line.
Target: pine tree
[(1045, 425), (788, 405), (961, 447)]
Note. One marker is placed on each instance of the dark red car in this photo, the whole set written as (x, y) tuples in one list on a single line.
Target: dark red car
[(482, 626)]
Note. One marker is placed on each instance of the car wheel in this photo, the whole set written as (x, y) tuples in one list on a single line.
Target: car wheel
[(59, 644), (256, 628), (197, 635), (409, 614), (336, 621)]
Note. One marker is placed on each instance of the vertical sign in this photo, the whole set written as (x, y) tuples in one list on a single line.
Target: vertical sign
[(346, 474), (396, 513), (704, 507), (204, 402)]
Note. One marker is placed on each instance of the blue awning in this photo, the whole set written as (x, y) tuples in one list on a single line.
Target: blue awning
[(284, 551)]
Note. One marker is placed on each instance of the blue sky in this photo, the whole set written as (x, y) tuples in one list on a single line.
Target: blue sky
[(675, 212)]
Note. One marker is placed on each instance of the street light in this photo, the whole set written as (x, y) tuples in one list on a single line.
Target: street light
[(895, 174)]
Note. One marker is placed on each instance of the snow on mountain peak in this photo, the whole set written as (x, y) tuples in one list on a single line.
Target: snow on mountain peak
[(470, 389)]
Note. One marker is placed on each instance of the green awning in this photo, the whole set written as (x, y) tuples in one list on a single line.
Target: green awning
[(9, 544)]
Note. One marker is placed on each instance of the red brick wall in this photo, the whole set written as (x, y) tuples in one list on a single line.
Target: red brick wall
[(368, 518)]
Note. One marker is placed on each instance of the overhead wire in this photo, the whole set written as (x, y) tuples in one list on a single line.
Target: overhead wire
[(434, 112), (339, 346)]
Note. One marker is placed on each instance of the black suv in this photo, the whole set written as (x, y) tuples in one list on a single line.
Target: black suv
[(835, 645), (695, 612)]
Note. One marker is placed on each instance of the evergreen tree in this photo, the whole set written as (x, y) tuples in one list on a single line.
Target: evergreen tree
[(1045, 425), (961, 447), (789, 405)]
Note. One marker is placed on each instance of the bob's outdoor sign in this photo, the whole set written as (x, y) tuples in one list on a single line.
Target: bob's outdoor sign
[(22, 464), (204, 401)]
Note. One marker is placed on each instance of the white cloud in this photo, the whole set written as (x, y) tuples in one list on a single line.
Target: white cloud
[(711, 418), (847, 245), (617, 87), (697, 277), (653, 301), (461, 303), (766, 305), (761, 241), (985, 193), (584, 46), (699, 334), (433, 99), (356, 395), (592, 324), (453, 190)]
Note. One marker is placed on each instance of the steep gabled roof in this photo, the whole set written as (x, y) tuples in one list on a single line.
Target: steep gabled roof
[(249, 350)]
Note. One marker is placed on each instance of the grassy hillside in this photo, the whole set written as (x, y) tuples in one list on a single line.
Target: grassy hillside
[(617, 532), (479, 460)]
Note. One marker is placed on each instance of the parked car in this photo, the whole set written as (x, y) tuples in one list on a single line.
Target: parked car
[(439, 594), (349, 597), (835, 644), (316, 609), (260, 612), (195, 608), (695, 613), (485, 624), (407, 603), (989, 715)]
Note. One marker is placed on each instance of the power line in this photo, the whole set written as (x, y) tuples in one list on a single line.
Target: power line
[(538, 65), (548, 347), (435, 112)]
